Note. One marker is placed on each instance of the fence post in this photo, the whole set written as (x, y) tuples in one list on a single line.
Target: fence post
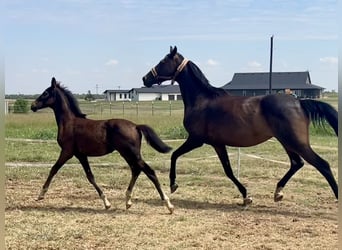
[(152, 108), (170, 107), (123, 108), (137, 107), (110, 108)]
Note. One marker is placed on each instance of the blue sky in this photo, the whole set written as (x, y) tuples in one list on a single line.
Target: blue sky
[(98, 45)]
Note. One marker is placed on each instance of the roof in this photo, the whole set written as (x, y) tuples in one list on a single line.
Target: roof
[(280, 80), (116, 91), (159, 89)]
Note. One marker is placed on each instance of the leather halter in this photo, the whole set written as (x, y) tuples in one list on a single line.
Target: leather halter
[(173, 78)]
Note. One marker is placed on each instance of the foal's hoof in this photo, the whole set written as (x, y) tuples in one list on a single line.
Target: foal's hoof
[(107, 206), (247, 201), (174, 187), (128, 206)]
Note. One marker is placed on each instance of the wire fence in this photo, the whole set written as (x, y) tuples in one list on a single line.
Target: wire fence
[(166, 108)]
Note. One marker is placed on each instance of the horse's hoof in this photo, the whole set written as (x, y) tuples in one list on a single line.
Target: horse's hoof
[(171, 209), (278, 196), (107, 206), (128, 205), (39, 198), (247, 201), (174, 188)]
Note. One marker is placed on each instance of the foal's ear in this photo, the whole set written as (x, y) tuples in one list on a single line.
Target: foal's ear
[(53, 82), (173, 51)]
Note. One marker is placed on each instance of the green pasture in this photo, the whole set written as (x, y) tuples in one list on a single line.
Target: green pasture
[(72, 215)]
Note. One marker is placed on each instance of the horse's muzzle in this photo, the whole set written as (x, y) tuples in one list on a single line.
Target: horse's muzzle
[(34, 107)]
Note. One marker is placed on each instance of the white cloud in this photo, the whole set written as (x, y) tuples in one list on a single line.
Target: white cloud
[(330, 60), (112, 62), (254, 66), (212, 62)]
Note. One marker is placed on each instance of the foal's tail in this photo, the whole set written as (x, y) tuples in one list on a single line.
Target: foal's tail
[(153, 139), (318, 111)]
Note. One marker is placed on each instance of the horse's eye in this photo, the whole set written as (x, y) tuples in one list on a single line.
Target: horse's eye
[(45, 94)]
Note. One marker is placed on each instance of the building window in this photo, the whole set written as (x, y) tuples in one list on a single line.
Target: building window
[(171, 97), (120, 96)]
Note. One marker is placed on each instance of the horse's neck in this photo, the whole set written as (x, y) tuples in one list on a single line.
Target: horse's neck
[(62, 110), (190, 89)]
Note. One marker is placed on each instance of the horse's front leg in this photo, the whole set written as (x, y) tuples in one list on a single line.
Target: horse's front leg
[(63, 157), (85, 164), (186, 147), (222, 154)]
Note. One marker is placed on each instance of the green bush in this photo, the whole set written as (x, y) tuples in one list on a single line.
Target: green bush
[(21, 106)]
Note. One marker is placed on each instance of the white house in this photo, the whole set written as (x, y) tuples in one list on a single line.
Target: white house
[(117, 95), (156, 92)]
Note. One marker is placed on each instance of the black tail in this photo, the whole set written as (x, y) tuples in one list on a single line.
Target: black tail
[(318, 111), (153, 139)]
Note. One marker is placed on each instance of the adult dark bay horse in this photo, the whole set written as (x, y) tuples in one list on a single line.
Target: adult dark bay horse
[(82, 137), (214, 117)]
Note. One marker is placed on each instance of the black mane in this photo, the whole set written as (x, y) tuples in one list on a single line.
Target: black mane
[(73, 103), (210, 90)]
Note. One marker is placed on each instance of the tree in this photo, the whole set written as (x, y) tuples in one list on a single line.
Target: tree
[(89, 97), (21, 106)]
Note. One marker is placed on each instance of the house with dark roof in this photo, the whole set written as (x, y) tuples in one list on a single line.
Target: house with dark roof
[(252, 84)]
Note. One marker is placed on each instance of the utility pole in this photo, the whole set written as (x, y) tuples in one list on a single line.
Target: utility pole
[(97, 89), (271, 58)]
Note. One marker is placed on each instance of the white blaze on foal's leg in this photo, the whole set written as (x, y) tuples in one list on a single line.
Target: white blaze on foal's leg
[(105, 201), (128, 199), (168, 203)]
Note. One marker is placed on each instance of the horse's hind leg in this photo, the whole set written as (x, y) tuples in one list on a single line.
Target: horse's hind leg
[(63, 157), (135, 174), (296, 164), (85, 164), (152, 176), (222, 154), (322, 166)]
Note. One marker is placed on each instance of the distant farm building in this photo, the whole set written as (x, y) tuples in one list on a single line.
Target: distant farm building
[(252, 84), (242, 84), (156, 92), (117, 95)]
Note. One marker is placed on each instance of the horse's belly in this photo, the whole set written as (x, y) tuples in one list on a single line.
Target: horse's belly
[(238, 139)]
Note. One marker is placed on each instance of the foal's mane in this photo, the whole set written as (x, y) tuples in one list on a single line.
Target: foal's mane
[(209, 90), (73, 103)]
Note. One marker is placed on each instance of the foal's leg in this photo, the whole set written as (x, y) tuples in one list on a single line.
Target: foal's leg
[(135, 174), (63, 157), (85, 164), (152, 176), (186, 147), (222, 154), (296, 164)]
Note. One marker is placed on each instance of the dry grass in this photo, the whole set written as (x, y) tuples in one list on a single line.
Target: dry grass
[(207, 214)]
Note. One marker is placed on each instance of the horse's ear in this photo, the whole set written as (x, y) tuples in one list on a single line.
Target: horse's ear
[(173, 51), (53, 82)]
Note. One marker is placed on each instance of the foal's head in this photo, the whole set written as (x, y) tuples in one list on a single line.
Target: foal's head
[(53, 96), (167, 69)]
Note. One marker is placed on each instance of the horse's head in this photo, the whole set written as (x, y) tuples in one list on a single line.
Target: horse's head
[(167, 69), (47, 98)]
